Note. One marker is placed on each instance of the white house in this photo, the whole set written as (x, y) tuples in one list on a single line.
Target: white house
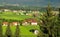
[(6, 10), (29, 21), (33, 23)]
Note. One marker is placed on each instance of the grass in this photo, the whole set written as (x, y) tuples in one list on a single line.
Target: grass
[(13, 16), (24, 30)]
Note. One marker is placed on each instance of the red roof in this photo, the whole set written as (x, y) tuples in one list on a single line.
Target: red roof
[(30, 20), (14, 22), (5, 22)]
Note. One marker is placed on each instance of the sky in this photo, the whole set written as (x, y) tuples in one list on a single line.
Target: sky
[(42, 3)]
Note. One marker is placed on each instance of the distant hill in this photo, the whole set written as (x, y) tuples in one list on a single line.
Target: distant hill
[(41, 3)]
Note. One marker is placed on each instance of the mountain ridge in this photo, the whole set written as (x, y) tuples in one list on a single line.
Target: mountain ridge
[(41, 3)]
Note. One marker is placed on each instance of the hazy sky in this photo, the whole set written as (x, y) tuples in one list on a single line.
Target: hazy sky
[(55, 3)]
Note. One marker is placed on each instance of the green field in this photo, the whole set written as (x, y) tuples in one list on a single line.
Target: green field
[(24, 30), (13, 16)]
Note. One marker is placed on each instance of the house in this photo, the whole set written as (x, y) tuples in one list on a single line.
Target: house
[(32, 21), (12, 23), (55, 12), (29, 21), (5, 23), (6, 10), (15, 23), (15, 11), (35, 11), (25, 23), (28, 14), (23, 11)]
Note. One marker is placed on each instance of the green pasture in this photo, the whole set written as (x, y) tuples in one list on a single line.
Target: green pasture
[(24, 30), (13, 16)]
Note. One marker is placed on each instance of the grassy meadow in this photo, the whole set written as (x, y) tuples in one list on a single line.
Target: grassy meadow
[(13, 16), (24, 30)]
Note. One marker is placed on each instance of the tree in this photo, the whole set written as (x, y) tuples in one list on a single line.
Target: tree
[(8, 31), (49, 23), (17, 32), (1, 35), (58, 25)]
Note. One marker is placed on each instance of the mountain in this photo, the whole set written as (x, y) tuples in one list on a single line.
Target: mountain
[(41, 3)]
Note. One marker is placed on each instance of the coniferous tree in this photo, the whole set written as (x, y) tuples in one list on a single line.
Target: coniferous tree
[(8, 31), (17, 32), (1, 35), (58, 25), (49, 21)]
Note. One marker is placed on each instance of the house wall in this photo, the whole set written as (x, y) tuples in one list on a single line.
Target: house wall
[(33, 23)]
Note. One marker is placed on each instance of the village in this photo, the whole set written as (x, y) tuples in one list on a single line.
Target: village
[(28, 21), (29, 18)]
